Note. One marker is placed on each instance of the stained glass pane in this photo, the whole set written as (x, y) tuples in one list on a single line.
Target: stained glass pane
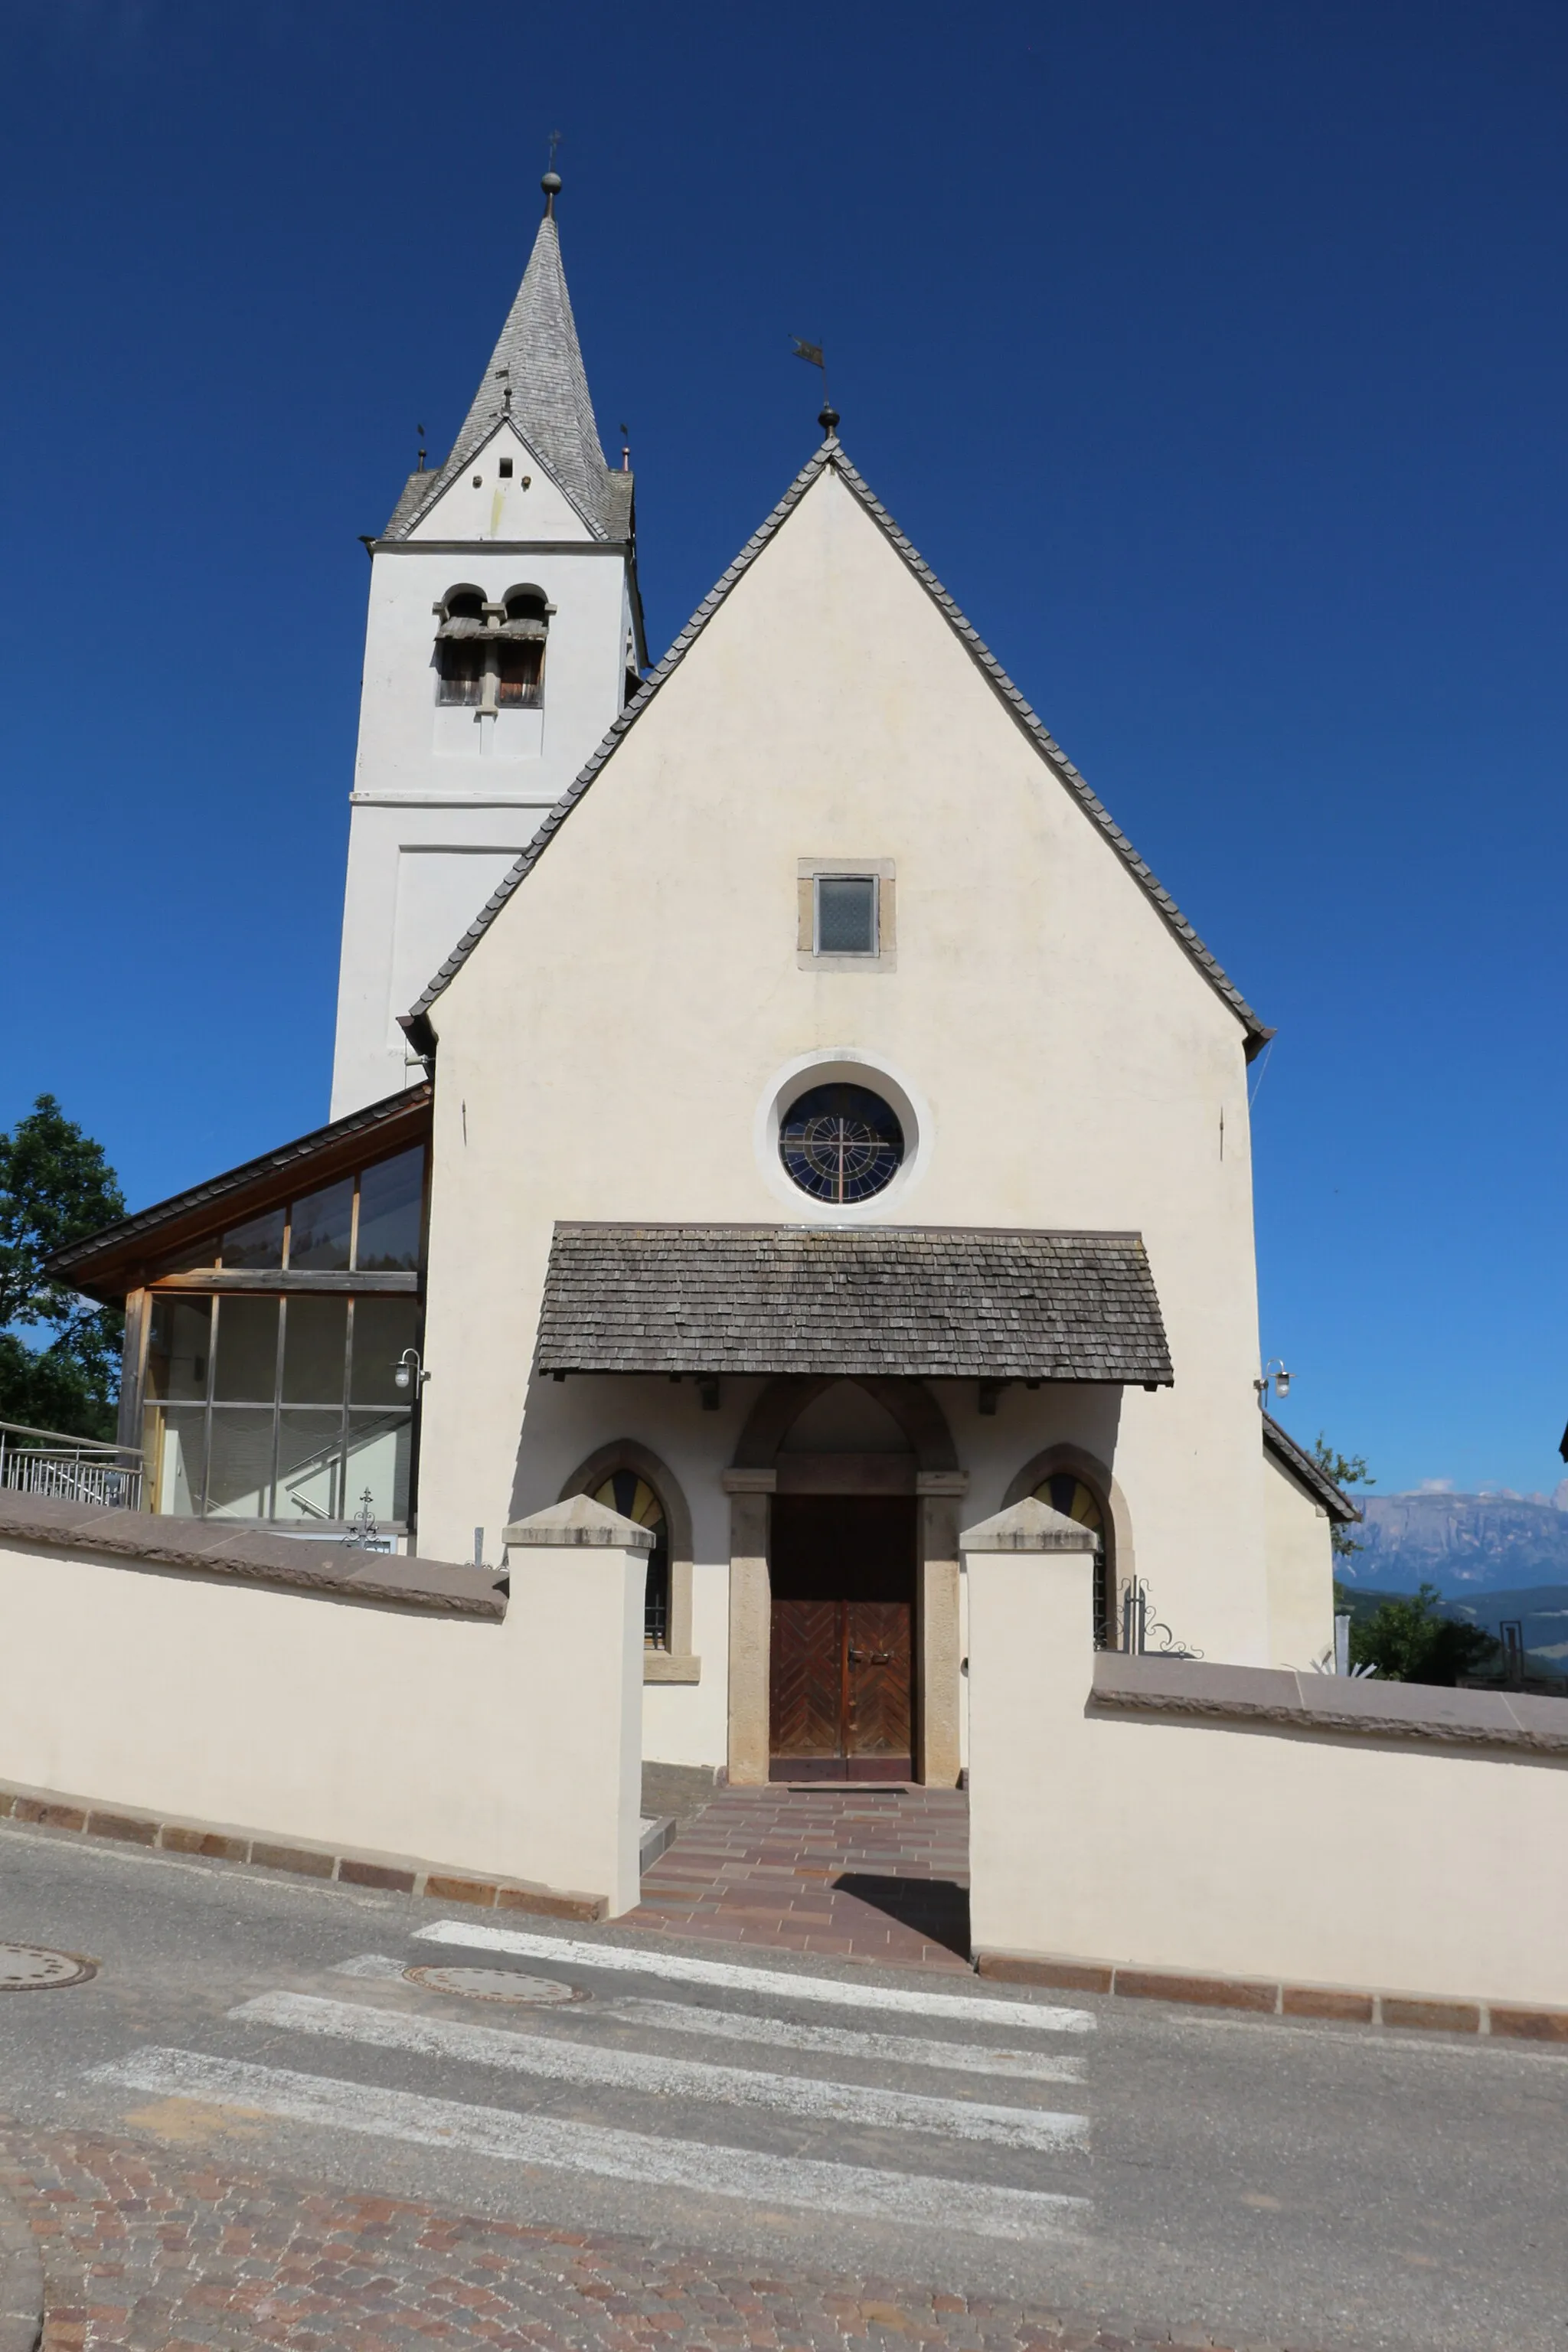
[(841, 1143), (625, 1492), (846, 914)]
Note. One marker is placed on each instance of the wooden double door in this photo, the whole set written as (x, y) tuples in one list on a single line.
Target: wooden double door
[(842, 1660)]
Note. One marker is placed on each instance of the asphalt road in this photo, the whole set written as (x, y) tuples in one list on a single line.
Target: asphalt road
[(1304, 2184)]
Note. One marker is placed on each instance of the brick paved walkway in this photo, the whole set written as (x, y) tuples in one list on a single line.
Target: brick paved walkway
[(147, 2250), (862, 1872)]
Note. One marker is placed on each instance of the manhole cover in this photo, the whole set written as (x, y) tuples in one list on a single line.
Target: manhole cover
[(495, 1984), (27, 1968)]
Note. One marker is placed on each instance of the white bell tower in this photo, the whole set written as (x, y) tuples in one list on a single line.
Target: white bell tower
[(504, 638)]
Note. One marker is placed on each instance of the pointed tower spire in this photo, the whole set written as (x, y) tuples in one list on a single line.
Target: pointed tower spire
[(536, 370)]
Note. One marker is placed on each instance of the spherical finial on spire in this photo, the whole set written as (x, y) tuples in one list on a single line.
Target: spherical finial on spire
[(828, 417), (551, 184)]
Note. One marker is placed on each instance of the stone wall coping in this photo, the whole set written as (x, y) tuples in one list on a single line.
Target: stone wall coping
[(204, 1547), (578, 1520), (1360, 1706), (1029, 1525)]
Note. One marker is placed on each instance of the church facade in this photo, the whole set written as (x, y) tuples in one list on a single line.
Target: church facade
[(771, 1097)]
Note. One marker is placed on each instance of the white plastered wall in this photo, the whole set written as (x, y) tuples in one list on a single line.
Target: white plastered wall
[(443, 805), (1242, 1849), (609, 1048), (1299, 1547), (448, 1741)]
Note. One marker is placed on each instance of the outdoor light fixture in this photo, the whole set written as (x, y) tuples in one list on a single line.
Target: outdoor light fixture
[(408, 1373), (1274, 1375)]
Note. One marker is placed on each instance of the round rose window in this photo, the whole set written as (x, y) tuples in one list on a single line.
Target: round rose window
[(841, 1143)]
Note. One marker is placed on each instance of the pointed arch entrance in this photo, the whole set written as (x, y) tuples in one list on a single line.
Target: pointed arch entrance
[(844, 1659)]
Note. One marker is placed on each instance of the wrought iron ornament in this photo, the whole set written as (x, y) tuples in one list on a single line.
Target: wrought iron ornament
[(841, 1143)]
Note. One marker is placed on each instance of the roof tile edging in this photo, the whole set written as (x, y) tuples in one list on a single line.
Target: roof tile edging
[(831, 457)]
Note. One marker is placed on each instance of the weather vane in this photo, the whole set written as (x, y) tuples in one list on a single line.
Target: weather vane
[(811, 353)]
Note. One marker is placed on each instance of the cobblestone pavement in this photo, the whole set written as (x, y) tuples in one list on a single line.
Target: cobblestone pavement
[(860, 1872), (159, 2251)]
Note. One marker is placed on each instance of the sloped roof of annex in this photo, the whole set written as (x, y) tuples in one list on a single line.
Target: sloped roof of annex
[(832, 456)]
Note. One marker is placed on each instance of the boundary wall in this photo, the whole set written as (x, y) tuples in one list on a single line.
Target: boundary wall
[(1167, 1818), (387, 1708)]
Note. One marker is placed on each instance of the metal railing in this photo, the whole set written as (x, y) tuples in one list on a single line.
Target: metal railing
[(79, 1469)]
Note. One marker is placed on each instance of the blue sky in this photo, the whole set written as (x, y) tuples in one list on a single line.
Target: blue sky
[(1214, 355)]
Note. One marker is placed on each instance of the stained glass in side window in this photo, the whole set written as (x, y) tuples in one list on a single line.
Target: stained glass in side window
[(391, 1201)]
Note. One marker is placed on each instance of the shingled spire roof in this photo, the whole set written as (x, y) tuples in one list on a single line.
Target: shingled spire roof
[(537, 366)]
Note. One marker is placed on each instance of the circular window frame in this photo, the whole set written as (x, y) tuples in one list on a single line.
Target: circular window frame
[(841, 1066)]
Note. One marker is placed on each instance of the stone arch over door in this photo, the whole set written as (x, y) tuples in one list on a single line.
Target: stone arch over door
[(1120, 1564), (625, 1453), (940, 1483)]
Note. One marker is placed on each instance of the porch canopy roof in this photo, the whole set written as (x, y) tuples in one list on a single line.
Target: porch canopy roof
[(946, 1302)]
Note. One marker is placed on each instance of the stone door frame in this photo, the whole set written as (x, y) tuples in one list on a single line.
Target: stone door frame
[(939, 1483)]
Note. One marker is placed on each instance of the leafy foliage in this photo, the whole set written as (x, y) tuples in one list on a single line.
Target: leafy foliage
[(1408, 1640), (1345, 1470), (55, 1187)]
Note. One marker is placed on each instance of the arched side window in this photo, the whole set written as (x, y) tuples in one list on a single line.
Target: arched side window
[(1065, 1491), (627, 1492)]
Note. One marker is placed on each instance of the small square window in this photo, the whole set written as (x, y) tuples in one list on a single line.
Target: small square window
[(846, 914), (506, 469)]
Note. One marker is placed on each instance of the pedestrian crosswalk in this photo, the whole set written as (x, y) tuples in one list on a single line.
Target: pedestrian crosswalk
[(1012, 2165)]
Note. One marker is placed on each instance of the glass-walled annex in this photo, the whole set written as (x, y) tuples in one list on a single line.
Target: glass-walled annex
[(269, 1383)]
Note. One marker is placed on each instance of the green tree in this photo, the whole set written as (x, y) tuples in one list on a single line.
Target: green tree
[(1408, 1640), (1345, 1470), (56, 1186)]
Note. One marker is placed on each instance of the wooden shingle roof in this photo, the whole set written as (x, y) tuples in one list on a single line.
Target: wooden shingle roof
[(946, 1302)]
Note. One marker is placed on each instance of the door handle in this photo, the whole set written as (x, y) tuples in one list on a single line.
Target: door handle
[(870, 1657)]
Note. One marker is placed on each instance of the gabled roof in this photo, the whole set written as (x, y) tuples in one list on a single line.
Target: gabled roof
[(103, 1265), (1307, 1473), (942, 1302), (535, 374), (831, 457)]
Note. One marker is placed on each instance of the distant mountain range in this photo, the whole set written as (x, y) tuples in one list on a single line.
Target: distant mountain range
[(1466, 1545)]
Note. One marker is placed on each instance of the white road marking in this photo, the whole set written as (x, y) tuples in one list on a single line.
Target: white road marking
[(783, 2033), (559, 2061), (841, 2042), (921, 2200), (621, 1960)]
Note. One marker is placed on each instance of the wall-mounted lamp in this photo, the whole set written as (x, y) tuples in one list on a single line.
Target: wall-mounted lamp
[(408, 1373), (1275, 1376)]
